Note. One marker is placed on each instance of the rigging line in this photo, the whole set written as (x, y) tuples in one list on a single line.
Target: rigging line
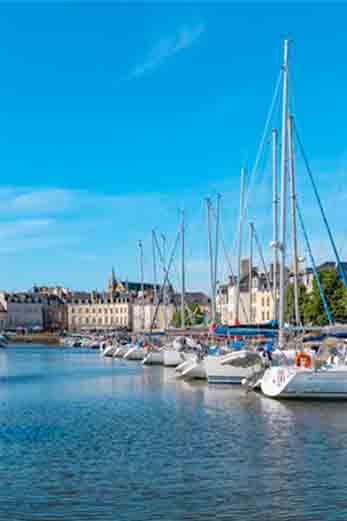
[(260, 252), (308, 246), (161, 256), (262, 141), (166, 279), (229, 264), (324, 217), (263, 169)]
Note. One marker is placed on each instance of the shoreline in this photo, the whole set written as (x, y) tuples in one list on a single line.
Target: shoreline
[(35, 339)]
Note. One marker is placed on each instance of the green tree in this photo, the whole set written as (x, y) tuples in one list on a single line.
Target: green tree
[(289, 309), (194, 316), (335, 295)]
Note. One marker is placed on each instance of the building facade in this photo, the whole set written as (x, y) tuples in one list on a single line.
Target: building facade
[(99, 313), (149, 315), (24, 310)]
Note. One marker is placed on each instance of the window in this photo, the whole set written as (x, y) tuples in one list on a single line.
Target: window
[(268, 315), (263, 315), (262, 302), (268, 301), (93, 310), (100, 310)]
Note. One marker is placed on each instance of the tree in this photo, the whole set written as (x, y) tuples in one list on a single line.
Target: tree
[(289, 306), (335, 295), (194, 315)]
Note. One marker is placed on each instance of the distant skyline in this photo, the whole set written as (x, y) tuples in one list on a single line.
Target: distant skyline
[(114, 117)]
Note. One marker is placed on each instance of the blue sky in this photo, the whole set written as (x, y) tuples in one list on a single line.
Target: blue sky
[(114, 117)]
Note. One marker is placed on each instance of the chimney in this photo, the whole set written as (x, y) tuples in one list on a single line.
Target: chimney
[(245, 265)]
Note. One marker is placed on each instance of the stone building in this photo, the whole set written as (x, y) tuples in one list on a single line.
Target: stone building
[(55, 317), (262, 309), (99, 312), (23, 309), (143, 315), (113, 309), (262, 297), (3, 318)]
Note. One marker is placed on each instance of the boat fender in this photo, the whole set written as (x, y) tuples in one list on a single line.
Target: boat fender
[(305, 357)]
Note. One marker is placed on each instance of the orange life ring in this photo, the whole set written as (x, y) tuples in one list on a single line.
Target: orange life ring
[(305, 357)]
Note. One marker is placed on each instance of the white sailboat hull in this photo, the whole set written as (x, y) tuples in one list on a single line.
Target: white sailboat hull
[(135, 353), (219, 372), (109, 351), (282, 382), (120, 352), (195, 370), (183, 366), (154, 358), (172, 358)]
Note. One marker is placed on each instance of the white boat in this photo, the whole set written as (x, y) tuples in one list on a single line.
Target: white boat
[(195, 370), (135, 352), (120, 351), (154, 357), (183, 365), (173, 358), (327, 382), (108, 351), (233, 367)]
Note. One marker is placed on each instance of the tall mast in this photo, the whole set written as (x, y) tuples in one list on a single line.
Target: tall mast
[(183, 320), (154, 268), (165, 282), (250, 271), (239, 249), (142, 288), (283, 195), (275, 223), (293, 216), (216, 244), (210, 249)]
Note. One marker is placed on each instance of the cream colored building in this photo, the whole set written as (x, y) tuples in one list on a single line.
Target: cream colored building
[(262, 309), (262, 297), (99, 313), (143, 315)]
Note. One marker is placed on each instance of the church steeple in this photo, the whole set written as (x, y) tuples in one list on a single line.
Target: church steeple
[(112, 283)]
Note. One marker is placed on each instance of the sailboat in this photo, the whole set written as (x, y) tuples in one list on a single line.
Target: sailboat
[(308, 377)]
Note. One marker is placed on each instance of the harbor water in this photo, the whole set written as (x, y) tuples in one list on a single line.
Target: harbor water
[(88, 438)]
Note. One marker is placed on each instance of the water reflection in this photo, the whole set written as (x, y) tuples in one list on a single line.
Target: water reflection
[(82, 437)]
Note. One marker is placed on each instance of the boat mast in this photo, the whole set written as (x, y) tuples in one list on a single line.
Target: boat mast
[(217, 247), (154, 268), (293, 218), (283, 195), (183, 320), (142, 287), (250, 270), (165, 282), (210, 249), (275, 223), (239, 249)]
